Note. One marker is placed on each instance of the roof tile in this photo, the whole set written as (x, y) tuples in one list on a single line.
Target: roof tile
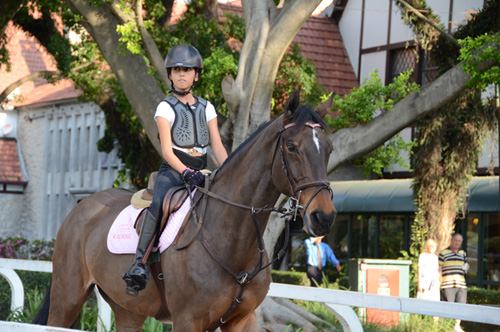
[(10, 166)]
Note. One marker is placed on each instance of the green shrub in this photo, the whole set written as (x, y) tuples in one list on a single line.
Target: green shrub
[(483, 296), (290, 277)]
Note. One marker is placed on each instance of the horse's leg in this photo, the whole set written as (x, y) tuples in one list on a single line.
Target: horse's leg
[(66, 300), (246, 323), (71, 281), (126, 321)]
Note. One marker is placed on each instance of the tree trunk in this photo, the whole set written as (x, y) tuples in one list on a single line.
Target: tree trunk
[(130, 69), (269, 32)]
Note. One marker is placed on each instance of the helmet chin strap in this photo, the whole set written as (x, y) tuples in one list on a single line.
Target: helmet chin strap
[(180, 93)]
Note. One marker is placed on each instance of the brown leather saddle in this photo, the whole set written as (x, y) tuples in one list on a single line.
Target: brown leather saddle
[(172, 202)]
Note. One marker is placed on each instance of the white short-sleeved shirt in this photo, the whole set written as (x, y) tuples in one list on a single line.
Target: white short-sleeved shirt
[(164, 110)]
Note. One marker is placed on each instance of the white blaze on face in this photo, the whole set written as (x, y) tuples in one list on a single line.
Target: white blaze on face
[(316, 139)]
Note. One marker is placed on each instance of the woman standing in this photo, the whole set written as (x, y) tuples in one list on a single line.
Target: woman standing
[(428, 273)]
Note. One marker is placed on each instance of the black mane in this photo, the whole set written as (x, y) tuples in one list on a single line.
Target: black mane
[(303, 115), (248, 140)]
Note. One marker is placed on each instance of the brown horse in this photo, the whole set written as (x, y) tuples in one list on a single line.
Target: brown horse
[(287, 155)]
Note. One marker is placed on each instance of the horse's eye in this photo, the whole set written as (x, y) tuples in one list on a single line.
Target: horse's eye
[(292, 147)]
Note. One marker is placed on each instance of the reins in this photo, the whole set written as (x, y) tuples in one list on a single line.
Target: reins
[(244, 277)]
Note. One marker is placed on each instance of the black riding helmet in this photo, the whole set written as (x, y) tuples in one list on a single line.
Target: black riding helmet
[(183, 56)]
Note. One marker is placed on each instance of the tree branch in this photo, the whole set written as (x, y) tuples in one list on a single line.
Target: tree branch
[(352, 143), (31, 77), (152, 51)]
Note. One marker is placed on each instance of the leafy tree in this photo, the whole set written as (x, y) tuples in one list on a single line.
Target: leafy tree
[(451, 139)]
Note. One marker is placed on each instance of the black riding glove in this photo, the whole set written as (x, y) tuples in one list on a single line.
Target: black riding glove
[(193, 177)]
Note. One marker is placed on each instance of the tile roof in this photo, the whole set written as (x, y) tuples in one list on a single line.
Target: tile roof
[(320, 41), (27, 56), (10, 170)]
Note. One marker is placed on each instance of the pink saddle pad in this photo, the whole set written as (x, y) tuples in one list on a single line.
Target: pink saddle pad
[(123, 239)]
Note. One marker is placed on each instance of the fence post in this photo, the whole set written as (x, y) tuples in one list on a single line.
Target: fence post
[(17, 288)]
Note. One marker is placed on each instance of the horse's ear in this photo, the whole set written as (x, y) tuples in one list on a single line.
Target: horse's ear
[(292, 104), (324, 108)]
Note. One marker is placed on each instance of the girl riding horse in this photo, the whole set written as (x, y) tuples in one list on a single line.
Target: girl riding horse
[(185, 123)]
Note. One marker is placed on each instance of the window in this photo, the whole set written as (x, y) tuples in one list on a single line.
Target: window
[(338, 238), (492, 250), (401, 60), (391, 240), (471, 247), (364, 236)]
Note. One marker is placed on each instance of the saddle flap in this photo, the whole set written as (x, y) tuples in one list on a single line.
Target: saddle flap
[(174, 199)]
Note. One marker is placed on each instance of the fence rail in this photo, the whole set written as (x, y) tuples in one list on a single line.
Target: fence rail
[(337, 301)]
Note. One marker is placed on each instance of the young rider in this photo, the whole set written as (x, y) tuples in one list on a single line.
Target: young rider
[(186, 123)]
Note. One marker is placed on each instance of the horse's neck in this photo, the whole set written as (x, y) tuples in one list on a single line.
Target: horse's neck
[(247, 179)]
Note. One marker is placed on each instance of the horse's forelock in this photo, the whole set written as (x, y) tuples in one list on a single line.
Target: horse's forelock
[(306, 114)]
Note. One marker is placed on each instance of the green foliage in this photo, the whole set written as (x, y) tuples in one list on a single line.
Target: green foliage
[(130, 36), (219, 64), (35, 287), (445, 54), (370, 99), (425, 35), (34, 299), (413, 323), (483, 296), (413, 257), (363, 104), (473, 52), (296, 71), (45, 30), (290, 277)]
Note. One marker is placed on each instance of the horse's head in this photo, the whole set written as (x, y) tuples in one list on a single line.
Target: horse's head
[(302, 173)]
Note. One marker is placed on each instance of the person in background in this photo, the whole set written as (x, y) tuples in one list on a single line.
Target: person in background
[(453, 267), (428, 273), (318, 254)]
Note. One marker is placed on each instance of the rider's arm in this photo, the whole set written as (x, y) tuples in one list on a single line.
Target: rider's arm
[(216, 142)]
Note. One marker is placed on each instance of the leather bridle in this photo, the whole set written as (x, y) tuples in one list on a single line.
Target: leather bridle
[(294, 187)]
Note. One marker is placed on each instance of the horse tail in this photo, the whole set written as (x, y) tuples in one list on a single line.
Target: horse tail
[(42, 315)]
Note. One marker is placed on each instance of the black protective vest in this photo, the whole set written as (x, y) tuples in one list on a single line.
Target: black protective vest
[(190, 126)]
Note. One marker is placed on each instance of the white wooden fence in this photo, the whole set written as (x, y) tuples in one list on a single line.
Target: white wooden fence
[(338, 302)]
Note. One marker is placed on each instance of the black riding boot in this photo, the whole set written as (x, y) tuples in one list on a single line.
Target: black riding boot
[(137, 274)]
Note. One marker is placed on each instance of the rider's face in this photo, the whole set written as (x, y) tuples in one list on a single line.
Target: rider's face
[(183, 77)]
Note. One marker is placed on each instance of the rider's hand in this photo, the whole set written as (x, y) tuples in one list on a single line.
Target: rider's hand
[(193, 177)]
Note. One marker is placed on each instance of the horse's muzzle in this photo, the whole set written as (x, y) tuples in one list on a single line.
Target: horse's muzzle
[(319, 223)]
